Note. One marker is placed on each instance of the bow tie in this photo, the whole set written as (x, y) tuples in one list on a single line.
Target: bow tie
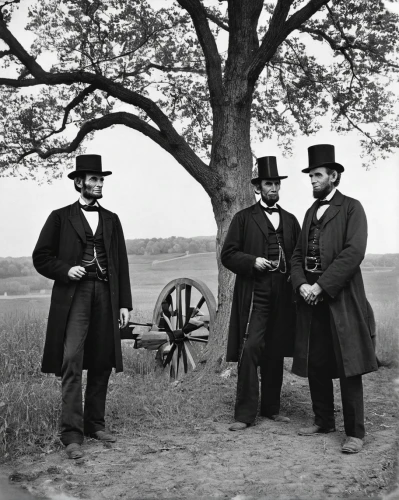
[(270, 210), (325, 202), (89, 208)]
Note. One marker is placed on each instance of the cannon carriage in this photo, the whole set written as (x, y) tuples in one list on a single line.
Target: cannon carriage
[(182, 322)]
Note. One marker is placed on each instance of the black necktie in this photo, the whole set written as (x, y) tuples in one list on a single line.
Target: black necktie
[(89, 208), (325, 202), (270, 210)]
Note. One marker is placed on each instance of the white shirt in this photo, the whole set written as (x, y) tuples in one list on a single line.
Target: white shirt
[(91, 217), (274, 217), (323, 208)]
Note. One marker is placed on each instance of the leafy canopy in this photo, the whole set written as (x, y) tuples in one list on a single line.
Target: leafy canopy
[(96, 64)]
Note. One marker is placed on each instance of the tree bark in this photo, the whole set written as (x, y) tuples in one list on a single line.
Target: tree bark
[(232, 159)]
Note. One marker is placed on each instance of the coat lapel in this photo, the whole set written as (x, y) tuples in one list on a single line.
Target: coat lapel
[(309, 219), (286, 223), (76, 221), (333, 209), (107, 228), (260, 219)]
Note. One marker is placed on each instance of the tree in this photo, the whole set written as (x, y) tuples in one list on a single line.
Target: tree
[(198, 78)]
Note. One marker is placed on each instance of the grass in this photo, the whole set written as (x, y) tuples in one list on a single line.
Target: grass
[(141, 397)]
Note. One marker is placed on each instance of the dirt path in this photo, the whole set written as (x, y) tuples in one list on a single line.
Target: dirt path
[(205, 460)]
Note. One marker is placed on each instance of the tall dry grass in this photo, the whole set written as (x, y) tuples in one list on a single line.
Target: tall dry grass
[(139, 399), (30, 400), (387, 326)]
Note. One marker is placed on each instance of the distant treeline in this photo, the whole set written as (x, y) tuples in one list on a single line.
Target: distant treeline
[(18, 267), (381, 260), (174, 244), (11, 267)]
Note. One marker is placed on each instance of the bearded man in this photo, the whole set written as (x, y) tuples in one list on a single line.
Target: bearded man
[(334, 320), (258, 249), (82, 248)]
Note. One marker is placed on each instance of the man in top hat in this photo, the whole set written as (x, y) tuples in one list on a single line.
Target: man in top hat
[(335, 323), (258, 249), (82, 248)]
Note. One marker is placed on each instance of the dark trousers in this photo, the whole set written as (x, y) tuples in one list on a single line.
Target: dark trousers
[(325, 363), (256, 352), (91, 308)]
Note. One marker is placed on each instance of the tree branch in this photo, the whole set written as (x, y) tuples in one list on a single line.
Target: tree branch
[(217, 21), (207, 41), (166, 69), (279, 30), (180, 151)]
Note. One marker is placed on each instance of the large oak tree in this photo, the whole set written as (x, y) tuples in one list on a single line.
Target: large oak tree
[(200, 78)]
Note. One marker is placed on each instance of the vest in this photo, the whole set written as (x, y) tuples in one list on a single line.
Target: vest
[(314, 235), (94, 257), (275, 237)]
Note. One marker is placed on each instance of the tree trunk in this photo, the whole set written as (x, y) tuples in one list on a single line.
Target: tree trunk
[(232, 159)]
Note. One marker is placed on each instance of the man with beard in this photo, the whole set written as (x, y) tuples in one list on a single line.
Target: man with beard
[(82, 248), (258, 249), (334, 320)]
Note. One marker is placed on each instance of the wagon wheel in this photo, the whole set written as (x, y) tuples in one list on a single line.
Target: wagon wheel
[(185, 310)]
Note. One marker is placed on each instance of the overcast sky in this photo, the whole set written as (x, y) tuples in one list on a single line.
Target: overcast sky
[(155, 197)]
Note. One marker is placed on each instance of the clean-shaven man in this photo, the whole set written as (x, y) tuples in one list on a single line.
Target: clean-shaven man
[(82, 248)]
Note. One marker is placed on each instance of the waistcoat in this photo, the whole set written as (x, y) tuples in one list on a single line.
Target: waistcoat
[(94, 257)]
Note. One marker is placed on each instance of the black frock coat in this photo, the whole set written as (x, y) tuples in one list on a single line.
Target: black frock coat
[(343, 239), (60, 247), (247, 239)]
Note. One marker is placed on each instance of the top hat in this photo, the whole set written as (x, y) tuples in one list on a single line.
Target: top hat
[(267, 169), (322, 155), (88, 163)]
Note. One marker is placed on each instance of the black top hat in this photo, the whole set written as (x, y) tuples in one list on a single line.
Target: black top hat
[(88, 163), (267, 169), (322, 155)]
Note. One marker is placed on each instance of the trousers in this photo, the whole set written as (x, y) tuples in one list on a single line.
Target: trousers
[(256, 352), (90, 309), (324, 364)]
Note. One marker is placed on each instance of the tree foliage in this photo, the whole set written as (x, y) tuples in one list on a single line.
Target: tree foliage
[(165, 71)]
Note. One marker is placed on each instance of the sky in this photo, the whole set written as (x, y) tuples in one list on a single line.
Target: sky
[(155, 197)]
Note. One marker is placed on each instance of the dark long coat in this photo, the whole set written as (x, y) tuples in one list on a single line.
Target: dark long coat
[(246, 240), (60, 247), (343, 239)]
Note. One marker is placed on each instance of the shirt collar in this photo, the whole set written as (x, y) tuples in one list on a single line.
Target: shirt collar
[(329, 197), (82, 202), (263, 204)]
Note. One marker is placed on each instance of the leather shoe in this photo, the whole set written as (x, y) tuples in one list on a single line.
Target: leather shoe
[(279, 418), (352, 445), (314, 430), (74, 451), (103, 436), (238, 426)]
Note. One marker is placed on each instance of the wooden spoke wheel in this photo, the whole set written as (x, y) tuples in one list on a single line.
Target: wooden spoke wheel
[(185, 311)]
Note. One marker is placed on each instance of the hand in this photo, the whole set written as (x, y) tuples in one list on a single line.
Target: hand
[(261, 264), (304, 290), (315, 294), (76, 273), (123, 316)]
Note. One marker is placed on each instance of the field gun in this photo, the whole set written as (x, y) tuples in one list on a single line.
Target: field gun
[(182, 321)]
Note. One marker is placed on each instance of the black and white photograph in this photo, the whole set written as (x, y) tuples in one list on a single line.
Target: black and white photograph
[(199, 249)]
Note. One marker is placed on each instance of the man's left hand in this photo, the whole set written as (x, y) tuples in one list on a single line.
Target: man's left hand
[(123, 316), (315, 294)]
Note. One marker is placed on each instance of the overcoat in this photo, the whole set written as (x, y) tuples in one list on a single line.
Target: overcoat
[(60, 247), (247, 239), (343, 239)]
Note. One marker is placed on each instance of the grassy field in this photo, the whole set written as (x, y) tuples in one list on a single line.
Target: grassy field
[(29, 401)]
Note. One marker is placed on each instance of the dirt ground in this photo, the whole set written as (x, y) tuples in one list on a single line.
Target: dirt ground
[(205, 460)]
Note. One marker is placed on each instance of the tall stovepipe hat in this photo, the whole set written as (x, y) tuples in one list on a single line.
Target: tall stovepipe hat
[(322, 155), (267, 169), (88, 164)]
